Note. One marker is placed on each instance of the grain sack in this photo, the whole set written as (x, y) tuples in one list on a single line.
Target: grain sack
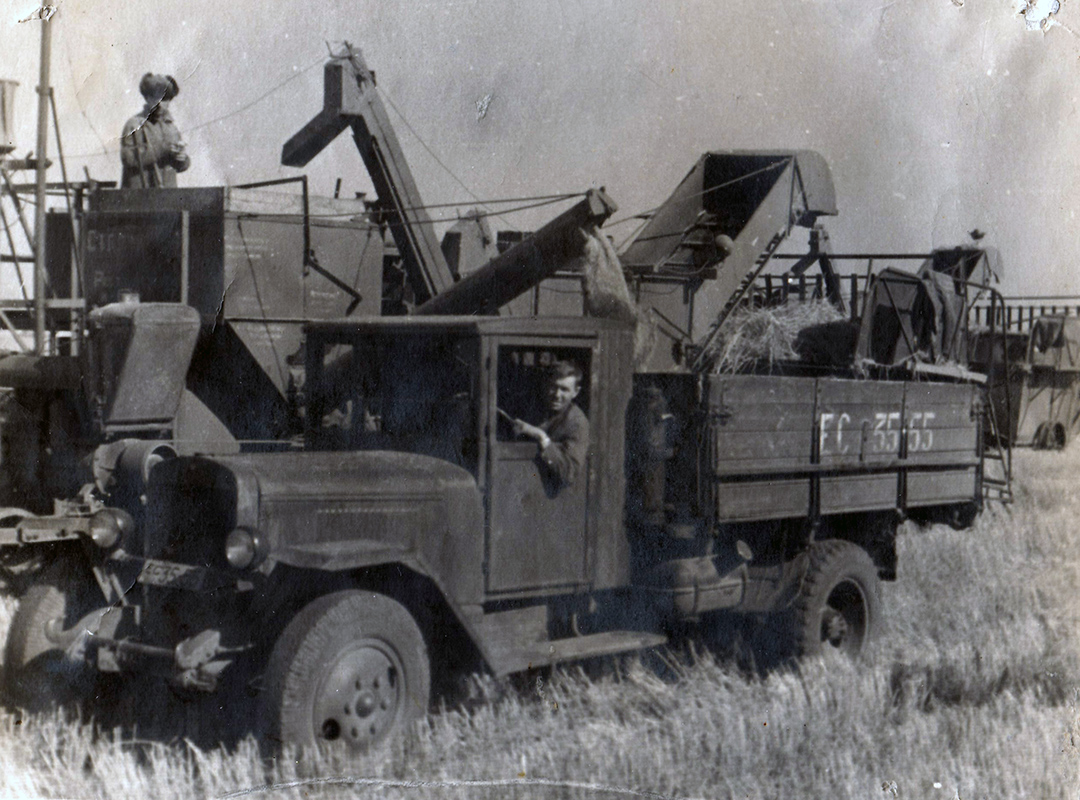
[(607, 295)]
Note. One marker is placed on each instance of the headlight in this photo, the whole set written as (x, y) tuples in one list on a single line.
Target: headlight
[(108, 525), (243, 548)]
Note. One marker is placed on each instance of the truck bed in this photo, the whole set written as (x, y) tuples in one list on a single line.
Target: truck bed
[(788, 446)]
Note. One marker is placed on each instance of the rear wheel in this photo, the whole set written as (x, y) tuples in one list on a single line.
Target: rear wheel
[(838, 606), (349, 672), (43, 661)]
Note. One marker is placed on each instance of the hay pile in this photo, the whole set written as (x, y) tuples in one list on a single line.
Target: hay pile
[(814, 332)]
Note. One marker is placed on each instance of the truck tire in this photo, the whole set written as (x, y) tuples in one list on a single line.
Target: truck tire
[(839, 604), (38, 673), (349, 672)]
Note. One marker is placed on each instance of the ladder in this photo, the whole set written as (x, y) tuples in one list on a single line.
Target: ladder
[(737, 296), (996, 480)]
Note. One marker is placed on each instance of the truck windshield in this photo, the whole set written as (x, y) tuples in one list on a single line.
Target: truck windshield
[(413, 393)]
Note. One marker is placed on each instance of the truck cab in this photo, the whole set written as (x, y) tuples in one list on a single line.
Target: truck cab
[(449, 388), (410, 503)]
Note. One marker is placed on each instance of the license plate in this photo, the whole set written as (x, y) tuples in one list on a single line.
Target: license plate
[(172, 575)]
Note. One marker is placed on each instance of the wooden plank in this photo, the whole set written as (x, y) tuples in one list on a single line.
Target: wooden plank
[(943, 458), (752, 390), (843, 390), (747, 470), (764, 446), (277, 201), (768, 417), (769, 499), (765, 421), (741, 467), (845, 493), (940, 487)]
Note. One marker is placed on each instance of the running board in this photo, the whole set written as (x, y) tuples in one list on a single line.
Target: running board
[(517, 639), (577, 647)]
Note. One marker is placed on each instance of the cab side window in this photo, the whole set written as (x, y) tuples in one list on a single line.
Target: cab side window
[(522, 379)]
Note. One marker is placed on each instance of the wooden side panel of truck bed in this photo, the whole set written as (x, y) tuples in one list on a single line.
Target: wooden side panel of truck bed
[(789, 446)]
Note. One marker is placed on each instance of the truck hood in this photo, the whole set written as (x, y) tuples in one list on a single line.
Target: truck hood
[(331, 511), (313, 476)]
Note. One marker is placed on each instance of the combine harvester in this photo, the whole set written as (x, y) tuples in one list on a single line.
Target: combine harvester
[(308, 511), (1034, 381)]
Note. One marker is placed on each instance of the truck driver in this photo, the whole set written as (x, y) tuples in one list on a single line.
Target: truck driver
[(564, 436)]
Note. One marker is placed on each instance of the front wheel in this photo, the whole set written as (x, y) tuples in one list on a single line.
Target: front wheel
[(350, 671), (43, 667), (838, 606)]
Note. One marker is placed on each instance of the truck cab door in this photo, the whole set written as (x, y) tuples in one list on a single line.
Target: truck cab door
[(538, 528)]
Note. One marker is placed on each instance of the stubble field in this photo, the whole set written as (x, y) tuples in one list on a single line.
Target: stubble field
[(972, 692)]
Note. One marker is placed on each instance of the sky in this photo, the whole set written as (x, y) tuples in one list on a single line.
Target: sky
[(936, 116)]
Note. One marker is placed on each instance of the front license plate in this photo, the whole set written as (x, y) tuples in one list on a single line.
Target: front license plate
[(172, 575)]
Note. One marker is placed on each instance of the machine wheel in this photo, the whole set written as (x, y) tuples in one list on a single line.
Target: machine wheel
[(838, 605), (963, 516), (1059, 439), (39, 672), (1042, 439), (350, 671)]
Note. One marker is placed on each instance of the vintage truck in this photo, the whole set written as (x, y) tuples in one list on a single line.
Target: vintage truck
[(415, 532), (397, 532)]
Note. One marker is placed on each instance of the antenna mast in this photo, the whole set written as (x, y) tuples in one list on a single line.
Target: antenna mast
[(44, 91)]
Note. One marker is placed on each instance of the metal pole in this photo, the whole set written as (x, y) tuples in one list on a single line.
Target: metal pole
[(39, 212)]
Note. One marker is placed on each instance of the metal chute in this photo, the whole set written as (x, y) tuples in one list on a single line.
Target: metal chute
[(701, 249)]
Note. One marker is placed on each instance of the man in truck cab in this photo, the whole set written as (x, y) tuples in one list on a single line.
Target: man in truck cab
[(563, 436)]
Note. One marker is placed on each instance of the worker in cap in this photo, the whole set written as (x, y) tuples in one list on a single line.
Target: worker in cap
[(152, 151)]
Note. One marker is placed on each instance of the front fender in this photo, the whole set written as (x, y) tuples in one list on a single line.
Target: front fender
[(344, 511)]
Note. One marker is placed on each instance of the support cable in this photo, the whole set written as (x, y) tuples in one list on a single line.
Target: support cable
[(114, 150)]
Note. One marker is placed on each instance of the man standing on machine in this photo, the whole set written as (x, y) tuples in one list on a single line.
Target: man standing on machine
[(152, 151)]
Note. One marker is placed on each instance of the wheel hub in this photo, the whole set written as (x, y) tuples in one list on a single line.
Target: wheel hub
[(844, 619), (835, 627), (360, 696), (365, 704)]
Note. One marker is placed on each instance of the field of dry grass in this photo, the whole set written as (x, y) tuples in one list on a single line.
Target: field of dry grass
[(973, 692)]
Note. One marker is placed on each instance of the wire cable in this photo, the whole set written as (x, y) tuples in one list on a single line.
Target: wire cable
[(647, 215), (534, 201), (78, 100), (109, 151), (439, 161), (261, 97), (293, 216), (554, 198), (262, 309), (523, 208)]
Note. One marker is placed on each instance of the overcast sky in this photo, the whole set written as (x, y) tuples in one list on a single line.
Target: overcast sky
[(937, 116)]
